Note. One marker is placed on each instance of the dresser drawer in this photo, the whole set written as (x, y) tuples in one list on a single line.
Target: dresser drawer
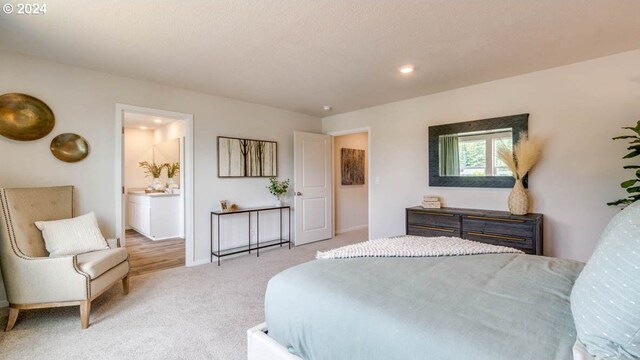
[(431, 231), (521, 243), (426, 218), (508, 227), (523, 232)]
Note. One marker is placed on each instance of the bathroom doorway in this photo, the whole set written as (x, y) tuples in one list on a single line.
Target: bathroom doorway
[(154, 185)]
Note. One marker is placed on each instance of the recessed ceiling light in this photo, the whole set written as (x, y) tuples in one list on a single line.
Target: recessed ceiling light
[(407, 69), (327, 108), (143, 128), (158, 121)]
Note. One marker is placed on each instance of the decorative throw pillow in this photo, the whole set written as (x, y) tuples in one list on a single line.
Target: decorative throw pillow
[(605, 299), (72, 236)]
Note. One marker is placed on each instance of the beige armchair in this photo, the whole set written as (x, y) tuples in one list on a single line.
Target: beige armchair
[(32, 279)]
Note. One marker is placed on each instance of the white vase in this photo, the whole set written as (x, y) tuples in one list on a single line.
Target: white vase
[(157, 184), (278, 203)]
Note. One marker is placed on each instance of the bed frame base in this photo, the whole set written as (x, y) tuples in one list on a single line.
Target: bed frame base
[(261, 347)]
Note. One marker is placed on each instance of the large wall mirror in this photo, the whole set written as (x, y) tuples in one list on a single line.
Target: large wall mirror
[(464, 154)]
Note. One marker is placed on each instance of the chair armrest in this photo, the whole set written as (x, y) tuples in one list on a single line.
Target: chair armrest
[(45, 279), (113, 243)]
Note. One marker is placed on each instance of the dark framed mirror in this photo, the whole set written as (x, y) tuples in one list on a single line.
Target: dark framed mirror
[(464, 154)]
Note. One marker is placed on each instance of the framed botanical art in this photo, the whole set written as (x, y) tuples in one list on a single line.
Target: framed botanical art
[(247, 157)]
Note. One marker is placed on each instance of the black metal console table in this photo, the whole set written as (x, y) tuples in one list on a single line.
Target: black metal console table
[(247, 248)]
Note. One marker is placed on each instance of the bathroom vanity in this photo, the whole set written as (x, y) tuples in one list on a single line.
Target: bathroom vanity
[(156, 216)]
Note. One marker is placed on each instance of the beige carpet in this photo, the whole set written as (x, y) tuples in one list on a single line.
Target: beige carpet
[(183, 313)]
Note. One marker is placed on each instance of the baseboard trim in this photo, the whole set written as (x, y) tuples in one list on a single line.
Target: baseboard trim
[(199, 262), (4, 304), (353, 228)]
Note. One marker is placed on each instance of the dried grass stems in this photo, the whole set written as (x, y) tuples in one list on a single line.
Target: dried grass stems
[(524, 156)]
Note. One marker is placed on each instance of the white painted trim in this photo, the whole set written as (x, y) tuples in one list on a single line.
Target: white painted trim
[(353, 228), (369, 177), (350, 131), (199, 262), (189, 173), (261, 346)]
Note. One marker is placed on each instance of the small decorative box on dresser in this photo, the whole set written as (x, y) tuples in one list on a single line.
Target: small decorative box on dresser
[(523, 232)]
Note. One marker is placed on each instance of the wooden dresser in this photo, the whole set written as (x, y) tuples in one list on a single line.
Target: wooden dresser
[(487, 226)]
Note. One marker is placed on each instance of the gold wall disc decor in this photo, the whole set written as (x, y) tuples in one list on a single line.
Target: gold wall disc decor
[(69, 147), (24, 118)]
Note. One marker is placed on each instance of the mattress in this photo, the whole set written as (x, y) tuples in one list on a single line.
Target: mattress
[(498, 306)]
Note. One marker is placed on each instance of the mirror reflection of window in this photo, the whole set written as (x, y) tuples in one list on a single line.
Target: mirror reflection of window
[(449, 155), (474, 153)]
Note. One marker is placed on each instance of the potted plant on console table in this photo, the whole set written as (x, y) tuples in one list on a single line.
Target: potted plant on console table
[(278, 188)]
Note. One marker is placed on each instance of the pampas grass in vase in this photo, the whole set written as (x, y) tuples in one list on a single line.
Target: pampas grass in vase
[(524, 156)]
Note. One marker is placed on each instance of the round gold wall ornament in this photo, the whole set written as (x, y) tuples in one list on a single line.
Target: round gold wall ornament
[(24, 117), (69, 147)]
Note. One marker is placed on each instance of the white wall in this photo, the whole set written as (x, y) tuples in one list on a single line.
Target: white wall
[(173, 130), (84, 102), (575, 108), (138, 146), (351, 201)]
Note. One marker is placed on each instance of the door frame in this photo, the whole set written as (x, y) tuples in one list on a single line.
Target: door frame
[(188, 172), (333, 134)]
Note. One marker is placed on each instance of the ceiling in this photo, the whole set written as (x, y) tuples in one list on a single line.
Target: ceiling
[(300, 55), (144, 122)]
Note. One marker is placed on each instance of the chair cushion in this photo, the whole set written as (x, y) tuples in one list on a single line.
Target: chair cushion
[(72, 236), (96, 263), (606, 295)]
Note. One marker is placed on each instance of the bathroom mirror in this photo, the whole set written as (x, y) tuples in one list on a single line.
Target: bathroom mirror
[(167, 152), (465, 154)]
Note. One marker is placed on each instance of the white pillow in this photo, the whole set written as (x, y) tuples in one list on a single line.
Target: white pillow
[(72, 236)]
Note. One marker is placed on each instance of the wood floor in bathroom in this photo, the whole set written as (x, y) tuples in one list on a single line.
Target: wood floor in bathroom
[(147, 256)]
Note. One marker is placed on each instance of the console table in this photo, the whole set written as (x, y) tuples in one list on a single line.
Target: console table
[(217, 252), (523, 232)]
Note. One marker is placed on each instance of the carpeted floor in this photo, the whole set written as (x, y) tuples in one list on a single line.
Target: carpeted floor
[(182, 313)]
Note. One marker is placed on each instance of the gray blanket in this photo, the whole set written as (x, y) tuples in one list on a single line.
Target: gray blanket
[(499, 306)]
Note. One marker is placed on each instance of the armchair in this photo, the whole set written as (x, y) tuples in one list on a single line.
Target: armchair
[(32, 279)]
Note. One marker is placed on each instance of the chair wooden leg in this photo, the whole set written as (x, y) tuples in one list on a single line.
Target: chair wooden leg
[(11, 319), (125, 285), (85, 310)]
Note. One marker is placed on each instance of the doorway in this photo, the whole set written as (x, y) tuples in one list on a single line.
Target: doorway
[(155, 196), (351, 183)]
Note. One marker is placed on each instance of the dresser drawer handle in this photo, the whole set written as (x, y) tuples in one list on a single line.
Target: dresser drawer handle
[(434, 228), (508, 238), (432, 213), (495, 219)]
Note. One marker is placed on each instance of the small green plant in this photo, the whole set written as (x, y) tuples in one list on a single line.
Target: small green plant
[(631, 186), (152, 169), (278, 188), (172, 169)]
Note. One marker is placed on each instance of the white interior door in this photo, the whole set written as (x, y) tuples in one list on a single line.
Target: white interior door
[(312, 187)]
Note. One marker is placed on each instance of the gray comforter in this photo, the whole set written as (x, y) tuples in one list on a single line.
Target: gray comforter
[(504, 306)]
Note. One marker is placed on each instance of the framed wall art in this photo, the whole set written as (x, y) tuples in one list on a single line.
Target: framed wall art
[(352, 165), (247, 157)]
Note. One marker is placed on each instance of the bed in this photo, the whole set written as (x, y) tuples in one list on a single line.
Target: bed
[(488, 306), (502, 306)]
